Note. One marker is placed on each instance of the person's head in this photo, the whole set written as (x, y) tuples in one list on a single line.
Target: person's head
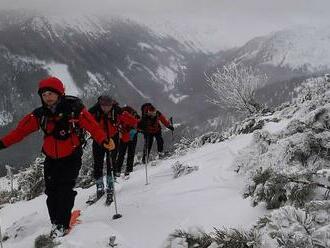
[(151, 111), (146, 108), (106, 103), (50, 90)]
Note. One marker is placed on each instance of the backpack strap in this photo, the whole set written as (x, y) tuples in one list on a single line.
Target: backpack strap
[(41, 115)]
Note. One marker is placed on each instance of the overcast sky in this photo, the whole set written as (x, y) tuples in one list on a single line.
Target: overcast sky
[(227, 22)]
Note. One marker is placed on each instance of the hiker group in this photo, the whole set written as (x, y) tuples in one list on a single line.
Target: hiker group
[(64, 121)]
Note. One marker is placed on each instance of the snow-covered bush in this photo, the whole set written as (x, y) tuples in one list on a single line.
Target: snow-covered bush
[(291, 158), (303, 228), (290, 227), (190, 239), (85, 178), (233, 238), (31, 181), (220, 238), (180, 169), (186, 144), (8, 196), (249, 125), (234, 87)]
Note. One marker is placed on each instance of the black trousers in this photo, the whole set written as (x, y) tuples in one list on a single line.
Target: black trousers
[(99, 152), (148, 141), (60, 178), (130, 148)]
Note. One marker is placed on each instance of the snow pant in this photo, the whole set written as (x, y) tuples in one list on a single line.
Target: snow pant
[(60, 178), (149, 139), (99, 152), (130, 148)]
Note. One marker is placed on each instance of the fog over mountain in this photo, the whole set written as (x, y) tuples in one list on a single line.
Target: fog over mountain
[(213, 24)]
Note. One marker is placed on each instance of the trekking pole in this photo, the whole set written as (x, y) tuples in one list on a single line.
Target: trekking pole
[(117, 215), (145, 166), (171, 121), (0, 237)]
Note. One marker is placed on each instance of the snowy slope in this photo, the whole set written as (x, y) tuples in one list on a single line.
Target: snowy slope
[(207, 198), (300, 48)]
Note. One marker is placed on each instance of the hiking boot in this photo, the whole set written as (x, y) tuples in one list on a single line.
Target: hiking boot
[(99, 188), (99, 193), (109, 199), (58, 231), (161, 155)]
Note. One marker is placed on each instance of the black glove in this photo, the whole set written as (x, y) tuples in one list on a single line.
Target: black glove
[(171, 127), (2, 146)]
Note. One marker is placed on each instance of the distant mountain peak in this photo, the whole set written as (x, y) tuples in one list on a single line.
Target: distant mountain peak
[(299, 48)]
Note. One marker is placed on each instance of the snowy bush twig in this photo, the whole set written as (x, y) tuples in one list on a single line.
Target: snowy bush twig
[(235, 87), (180, 169)]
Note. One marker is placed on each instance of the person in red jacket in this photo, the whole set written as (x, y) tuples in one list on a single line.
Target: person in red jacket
[(128, 141), (109, 116), (62, 119), (151, 128)]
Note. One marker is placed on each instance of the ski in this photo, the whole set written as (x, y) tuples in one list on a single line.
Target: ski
[(92, 199)]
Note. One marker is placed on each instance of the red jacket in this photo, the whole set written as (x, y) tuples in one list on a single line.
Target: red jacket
[(53, 147), (116, 121), (126, 122), (152, 124)]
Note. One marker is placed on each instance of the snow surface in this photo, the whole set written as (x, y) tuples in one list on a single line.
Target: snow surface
[(207, 198), (276, 127), (61, 71), (300, 47)]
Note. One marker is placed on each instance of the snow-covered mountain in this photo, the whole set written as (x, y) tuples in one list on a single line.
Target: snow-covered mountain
[(94, 54), (302, 49)]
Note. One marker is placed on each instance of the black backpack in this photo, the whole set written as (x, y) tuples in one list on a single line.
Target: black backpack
[(67, 115)]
